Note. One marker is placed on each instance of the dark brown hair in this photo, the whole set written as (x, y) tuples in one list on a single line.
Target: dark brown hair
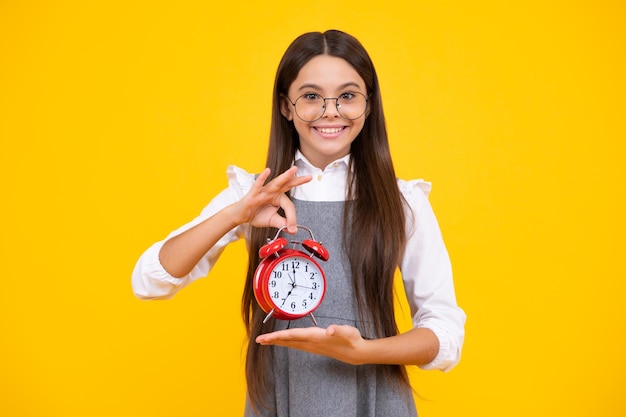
[(374, 205)]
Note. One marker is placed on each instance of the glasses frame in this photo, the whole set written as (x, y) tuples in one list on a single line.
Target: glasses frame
[(337, 106)]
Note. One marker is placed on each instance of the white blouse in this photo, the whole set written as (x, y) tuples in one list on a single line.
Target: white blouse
[(425, 266)]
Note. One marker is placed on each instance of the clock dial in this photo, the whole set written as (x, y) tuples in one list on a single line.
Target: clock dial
[(295, 285), (289, 284)]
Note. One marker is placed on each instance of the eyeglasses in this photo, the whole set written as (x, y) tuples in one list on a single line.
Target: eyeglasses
[(311, 106)]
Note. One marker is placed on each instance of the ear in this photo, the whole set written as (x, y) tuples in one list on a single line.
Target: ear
[(286, 108)]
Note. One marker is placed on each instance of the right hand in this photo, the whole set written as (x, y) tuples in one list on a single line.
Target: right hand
[(259, 207)]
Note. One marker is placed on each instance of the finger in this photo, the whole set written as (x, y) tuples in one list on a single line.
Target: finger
[(273, 338), (288, 180), (263, 176), (337, 330), (341, 331), (260, 180), (277, 184), (290, 214), (296, 181), (277, 221), (290, 335), (280, 335)]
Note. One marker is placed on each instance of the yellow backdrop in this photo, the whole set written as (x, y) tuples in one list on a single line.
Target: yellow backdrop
[(117, 122)]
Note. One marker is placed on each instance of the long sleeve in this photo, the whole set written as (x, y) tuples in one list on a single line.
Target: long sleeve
[(427, 276), (151, 281)]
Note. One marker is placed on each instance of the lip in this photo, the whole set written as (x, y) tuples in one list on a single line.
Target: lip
[(330, 132)]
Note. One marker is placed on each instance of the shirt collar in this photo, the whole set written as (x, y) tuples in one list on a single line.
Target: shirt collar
[(305, 167)]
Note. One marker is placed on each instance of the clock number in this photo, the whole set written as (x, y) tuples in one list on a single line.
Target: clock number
[(293, 305), (285, 266), (295, 264), (273, 284), (278, 274), (304, 303), (311, 296), (312, 275), (276, 294)]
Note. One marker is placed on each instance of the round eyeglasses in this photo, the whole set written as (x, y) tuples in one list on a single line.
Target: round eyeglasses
[(311, 106)]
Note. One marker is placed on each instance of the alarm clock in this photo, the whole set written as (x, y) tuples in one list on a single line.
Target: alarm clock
[(289, 283)]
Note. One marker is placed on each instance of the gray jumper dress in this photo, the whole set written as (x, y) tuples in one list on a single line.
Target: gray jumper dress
[(308, 385)]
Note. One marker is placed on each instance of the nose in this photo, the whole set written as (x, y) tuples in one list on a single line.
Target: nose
[(332, 110)]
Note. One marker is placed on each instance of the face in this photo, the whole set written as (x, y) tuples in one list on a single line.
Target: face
[(328, 138)]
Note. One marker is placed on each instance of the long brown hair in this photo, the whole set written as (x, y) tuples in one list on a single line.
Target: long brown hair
[(374, 205)]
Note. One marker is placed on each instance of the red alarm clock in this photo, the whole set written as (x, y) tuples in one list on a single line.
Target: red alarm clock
[(288, 283)]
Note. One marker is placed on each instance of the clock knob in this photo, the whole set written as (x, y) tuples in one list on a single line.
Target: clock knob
[(316, 249), (272, 247)]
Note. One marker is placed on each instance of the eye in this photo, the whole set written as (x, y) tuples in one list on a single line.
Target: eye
[(347, 96), (311, 96)]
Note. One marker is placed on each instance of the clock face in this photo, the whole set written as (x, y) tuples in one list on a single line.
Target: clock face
[(295, 285)]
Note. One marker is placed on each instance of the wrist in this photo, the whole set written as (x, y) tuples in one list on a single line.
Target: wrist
[(361, 353), (234, 215)]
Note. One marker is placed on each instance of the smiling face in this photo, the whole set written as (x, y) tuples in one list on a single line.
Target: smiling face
[(328, 138)]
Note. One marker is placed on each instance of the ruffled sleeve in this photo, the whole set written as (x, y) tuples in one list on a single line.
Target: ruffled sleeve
[(407, 188), (239, 180), (427, 277)]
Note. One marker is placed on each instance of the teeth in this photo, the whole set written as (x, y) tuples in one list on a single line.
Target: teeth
[(330, 129)]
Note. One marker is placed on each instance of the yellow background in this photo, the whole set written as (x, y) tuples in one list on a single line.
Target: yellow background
[(117, 122)]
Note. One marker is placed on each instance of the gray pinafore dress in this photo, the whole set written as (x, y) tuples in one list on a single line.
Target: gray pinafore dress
[(308, 385)]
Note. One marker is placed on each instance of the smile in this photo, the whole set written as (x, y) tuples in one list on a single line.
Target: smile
[(329, 130)]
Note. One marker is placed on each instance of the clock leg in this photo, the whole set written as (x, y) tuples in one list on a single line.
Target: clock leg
[(313, 319), (268, 316)]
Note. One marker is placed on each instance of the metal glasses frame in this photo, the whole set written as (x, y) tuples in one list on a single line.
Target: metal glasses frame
[(337, 106)]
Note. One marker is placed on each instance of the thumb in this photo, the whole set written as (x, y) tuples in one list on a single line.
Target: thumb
[(335, 330), (277, 221)]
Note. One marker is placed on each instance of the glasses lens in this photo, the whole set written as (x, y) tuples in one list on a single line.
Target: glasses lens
[(351, 105), (311, 107)]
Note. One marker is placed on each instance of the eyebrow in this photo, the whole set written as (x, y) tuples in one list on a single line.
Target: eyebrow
[(317, 87)]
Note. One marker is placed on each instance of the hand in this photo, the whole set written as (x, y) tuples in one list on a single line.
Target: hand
[(343, 343), (260, 205)]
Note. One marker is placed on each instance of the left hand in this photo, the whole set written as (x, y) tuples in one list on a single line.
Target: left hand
[(343, 342)]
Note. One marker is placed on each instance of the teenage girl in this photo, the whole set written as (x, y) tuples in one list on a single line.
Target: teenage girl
[(329, 168)]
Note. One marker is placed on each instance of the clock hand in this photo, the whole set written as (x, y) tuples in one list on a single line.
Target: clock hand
[(288, 294), (308, 288), (293, 286)]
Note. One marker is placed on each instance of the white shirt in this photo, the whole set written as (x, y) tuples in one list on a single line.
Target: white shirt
[(425, 265)]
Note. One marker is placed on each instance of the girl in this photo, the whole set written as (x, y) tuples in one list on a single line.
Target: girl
[(328, 164)]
